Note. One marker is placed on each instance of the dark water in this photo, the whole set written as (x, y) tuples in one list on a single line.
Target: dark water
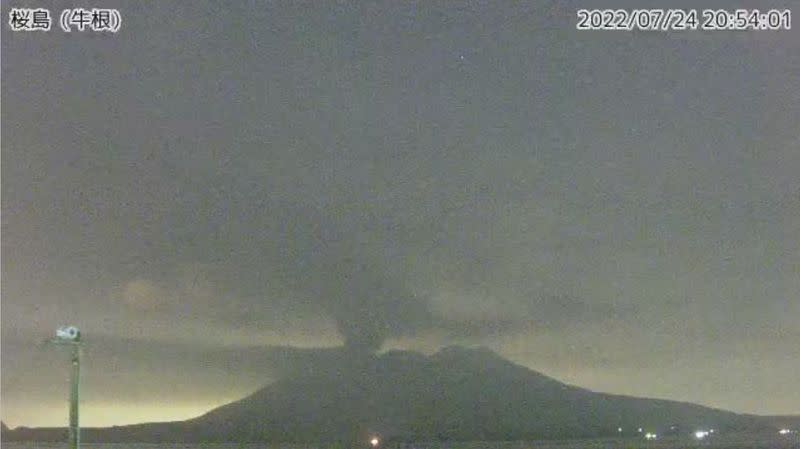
[(674, 443)]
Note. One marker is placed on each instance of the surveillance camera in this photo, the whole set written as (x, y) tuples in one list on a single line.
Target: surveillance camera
[(68, 333)]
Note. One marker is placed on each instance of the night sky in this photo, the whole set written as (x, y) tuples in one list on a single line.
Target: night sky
[(618, 210)]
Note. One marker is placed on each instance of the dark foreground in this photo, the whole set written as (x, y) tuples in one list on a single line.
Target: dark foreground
[(738, 442)]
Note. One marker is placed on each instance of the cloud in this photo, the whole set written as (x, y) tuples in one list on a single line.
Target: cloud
[(144, 295), (303, 185)]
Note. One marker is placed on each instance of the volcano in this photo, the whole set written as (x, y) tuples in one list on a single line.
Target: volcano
[(455, 394)]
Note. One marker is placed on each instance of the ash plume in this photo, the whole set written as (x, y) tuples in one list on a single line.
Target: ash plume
[(369, 306), (358, 278)]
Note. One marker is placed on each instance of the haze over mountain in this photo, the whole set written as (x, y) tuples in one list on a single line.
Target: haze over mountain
[(618, 210), (455, 394)]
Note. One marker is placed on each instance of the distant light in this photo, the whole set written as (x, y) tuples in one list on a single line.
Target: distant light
[(374, 442), (785, 431), (711, 431), (619, 429), (700, 434), (650, 436), (640, 430)]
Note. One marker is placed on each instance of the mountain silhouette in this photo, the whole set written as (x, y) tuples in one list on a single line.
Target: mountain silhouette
[(455, 394)]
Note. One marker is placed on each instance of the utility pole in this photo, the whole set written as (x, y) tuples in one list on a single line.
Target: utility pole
[(71, 336)]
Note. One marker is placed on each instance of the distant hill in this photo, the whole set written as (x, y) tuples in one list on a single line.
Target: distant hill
[(456, 394)]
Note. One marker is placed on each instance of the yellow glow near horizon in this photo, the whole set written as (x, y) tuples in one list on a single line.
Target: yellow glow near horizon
[(106, 415)]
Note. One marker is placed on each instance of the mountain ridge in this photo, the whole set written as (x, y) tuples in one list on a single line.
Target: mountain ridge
[(455, 394)]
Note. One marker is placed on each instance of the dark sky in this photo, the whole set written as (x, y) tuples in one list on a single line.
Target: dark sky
[(620, 210)]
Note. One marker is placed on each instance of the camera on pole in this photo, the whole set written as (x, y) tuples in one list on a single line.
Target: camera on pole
[(71, 336), (68, 334)]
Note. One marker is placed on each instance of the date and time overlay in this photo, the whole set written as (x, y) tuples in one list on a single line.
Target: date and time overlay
[(684, 19), (40, 19)]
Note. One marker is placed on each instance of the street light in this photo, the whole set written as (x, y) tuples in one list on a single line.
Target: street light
[(71, 336)]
